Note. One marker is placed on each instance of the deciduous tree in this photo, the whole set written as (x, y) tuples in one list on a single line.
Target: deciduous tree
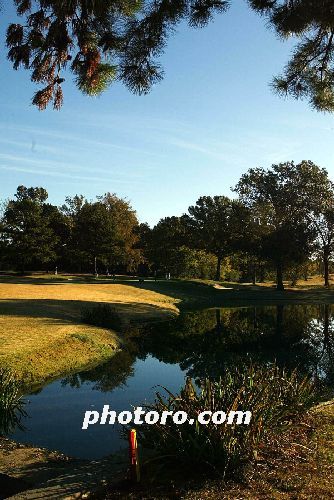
[(218, 225), (27, 230), (273, 197)]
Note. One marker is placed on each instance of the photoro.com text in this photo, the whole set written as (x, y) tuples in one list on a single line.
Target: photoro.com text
[(139, 416)]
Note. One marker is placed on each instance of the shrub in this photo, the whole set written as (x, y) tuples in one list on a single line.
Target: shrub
[(83, 337), (11, 404), (274, 397), (102, 315)]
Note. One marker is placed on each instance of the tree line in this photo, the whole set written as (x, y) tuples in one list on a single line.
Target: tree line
[(280, 222)]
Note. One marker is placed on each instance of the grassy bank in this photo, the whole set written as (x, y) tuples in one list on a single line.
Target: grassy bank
[(41, 331), (42, 334)]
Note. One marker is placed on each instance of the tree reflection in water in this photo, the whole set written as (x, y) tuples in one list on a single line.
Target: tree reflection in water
[(204, 343)]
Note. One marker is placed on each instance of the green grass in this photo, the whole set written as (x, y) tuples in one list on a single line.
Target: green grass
[(189, 294)]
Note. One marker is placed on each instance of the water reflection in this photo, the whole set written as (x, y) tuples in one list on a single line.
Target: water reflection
[(197, 344), (108, 376), (206, 342)]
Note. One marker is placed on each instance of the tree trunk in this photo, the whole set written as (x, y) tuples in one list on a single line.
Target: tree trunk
[(254, 275), (279, 279), (219, 265), (326, 267)]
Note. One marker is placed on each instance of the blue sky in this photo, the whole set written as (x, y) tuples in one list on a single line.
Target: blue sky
[(210, 119)]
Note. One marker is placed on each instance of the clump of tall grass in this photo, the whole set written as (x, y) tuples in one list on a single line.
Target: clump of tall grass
[(273, 395), (102, 315), (11, 404)]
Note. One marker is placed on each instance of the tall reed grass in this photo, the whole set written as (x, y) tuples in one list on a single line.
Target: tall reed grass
[(11, 403), (273, 395)]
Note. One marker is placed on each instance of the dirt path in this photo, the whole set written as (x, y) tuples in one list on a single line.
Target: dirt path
[(33, 473)]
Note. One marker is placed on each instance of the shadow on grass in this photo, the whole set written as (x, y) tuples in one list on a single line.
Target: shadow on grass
[(69, 311), (51, 279), (196, 294), (189, 294)]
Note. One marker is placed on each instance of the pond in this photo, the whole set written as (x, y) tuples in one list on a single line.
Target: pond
[(197, 344)]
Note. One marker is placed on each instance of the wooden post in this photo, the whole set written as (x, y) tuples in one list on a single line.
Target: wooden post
[(134, 462)]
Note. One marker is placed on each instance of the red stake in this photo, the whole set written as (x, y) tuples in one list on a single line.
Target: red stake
[(134, 462)]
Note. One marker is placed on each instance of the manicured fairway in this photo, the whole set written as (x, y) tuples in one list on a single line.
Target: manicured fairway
[(41, 333)]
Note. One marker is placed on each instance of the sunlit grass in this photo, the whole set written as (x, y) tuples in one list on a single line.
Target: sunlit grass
[(41, 324)]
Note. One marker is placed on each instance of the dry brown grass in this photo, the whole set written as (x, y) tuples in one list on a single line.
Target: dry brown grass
[(41, 333), (296, 464)]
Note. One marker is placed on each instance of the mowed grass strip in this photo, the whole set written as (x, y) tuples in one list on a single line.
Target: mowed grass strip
[(41, 332)]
